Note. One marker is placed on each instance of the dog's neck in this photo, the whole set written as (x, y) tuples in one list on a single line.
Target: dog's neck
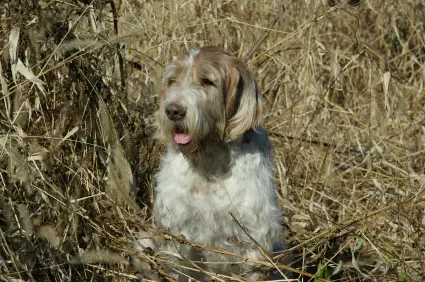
[(211, 158)]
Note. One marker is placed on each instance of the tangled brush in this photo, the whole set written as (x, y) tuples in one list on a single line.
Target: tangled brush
[(343, 83)]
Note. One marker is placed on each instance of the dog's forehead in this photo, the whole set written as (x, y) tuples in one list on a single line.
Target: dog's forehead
[(203, 55), (208, 61), (194, 52), (190, 58), (182, 63)]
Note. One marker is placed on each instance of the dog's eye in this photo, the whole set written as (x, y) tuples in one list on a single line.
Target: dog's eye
[(171, 81), (206, 82)]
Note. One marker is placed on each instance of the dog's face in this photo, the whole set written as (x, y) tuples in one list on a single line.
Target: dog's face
[(207, 95)]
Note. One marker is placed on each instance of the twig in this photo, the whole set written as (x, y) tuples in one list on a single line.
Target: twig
[(118, 47)]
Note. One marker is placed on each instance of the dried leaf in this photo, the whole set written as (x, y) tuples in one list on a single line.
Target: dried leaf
[(22, 69), (69, 134), (13, 43), (5, 91), (13, 47), (120, 177), (109, 136), (385, 83)]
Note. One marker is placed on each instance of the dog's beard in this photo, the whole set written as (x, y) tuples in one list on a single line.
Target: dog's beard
[(183, 139), (191, 143), (180, 134), (188, 133)]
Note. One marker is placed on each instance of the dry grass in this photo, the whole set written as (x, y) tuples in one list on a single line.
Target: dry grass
[(344, 86)]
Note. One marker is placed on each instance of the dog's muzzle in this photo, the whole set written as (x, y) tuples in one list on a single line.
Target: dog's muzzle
[(175, 111)]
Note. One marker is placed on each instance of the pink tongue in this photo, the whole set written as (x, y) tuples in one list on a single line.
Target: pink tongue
[(181, 138)]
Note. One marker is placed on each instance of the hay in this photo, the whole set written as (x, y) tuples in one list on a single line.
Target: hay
[(344, 87)]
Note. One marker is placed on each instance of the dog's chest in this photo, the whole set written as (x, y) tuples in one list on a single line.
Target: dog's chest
[(196, 206), (196, 194)]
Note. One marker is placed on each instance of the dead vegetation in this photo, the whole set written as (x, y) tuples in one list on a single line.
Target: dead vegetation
[(344, 86)]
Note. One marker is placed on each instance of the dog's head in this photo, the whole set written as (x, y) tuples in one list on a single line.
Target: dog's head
[(207, 94)]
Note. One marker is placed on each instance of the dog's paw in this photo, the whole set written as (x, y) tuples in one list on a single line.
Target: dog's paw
[(255, 276), (143, 269), (144, 242), (139, 265)]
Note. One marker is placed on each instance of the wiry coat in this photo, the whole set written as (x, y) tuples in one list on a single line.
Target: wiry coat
[(215, 185)]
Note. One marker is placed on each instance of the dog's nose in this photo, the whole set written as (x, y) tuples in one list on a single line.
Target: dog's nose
[(175, 111)]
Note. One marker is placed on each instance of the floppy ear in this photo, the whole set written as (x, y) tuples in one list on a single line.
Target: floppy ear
[(244, 107)]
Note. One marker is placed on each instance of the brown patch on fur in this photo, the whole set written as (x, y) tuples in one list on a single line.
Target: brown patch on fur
[(231, 90), (243, 104), (194, 190)]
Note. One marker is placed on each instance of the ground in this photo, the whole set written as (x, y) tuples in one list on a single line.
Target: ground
[(343, 83)]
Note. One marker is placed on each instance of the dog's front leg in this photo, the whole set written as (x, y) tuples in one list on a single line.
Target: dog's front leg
[(182, 261)]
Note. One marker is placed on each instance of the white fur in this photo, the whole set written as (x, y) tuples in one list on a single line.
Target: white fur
[(198, 206), (191, 58)]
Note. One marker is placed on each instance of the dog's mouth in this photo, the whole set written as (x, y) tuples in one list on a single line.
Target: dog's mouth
[(180, 136)]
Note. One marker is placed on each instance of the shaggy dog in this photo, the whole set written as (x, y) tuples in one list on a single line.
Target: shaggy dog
[(215, 185)]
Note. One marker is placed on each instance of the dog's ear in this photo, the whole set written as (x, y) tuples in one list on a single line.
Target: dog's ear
[(244, 107)]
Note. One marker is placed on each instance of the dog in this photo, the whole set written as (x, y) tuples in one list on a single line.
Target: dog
[(215, 185)]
